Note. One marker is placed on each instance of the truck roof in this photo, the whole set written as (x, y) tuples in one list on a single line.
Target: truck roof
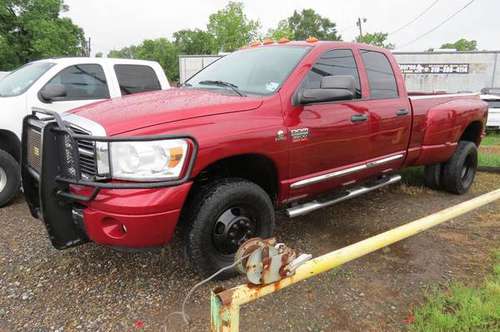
[(102, 61)]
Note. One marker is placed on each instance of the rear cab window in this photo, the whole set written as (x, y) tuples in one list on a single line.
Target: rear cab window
[(136, 78), (82, 82), (380, 75)]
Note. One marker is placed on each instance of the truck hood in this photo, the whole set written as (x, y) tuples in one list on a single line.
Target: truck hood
[(129, 113)]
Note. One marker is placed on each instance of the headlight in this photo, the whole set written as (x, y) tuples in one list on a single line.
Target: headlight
[(143, 160)]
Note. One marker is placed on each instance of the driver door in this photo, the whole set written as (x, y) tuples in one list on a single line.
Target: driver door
[(329, 139), (84, 84)]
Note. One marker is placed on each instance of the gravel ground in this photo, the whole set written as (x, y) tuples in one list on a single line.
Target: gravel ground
[(94, 288)]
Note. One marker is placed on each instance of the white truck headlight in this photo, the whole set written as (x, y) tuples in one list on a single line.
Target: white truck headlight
[(147, 160)]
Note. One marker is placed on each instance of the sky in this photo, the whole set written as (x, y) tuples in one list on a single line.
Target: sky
[(113, 24)]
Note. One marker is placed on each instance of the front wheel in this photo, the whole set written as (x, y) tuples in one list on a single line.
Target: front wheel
[(220, 217), (459, 172), (10, 178)]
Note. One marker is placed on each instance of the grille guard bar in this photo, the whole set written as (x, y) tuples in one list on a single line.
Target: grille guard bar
[(97, 186)]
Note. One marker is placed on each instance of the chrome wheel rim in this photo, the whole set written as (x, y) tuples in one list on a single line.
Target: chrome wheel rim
[(3, 179)]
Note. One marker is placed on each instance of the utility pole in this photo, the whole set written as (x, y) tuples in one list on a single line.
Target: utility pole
[(359, 23)]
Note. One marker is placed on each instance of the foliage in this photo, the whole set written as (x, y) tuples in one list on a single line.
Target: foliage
[(161, 50), (99, 55), (463, 308), (377, 38), (31, 30), (462, 45), (195, 42), (231, 28), (308, 23), (283, 30)]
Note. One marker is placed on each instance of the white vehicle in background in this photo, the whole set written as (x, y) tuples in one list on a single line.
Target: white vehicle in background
[(492, 97), (60, 85)]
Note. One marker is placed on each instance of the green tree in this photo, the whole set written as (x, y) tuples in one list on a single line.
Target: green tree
[(231, 27), (195, 42), (283, 30), (160, 50), (377, 38), (31, 30), (462, 45), (310, 24)]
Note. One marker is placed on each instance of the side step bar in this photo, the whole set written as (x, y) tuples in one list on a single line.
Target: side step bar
[(305, 208)]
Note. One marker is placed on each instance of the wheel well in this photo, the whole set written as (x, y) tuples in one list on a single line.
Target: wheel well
[(11, 144), (472, 133), (252, 167)]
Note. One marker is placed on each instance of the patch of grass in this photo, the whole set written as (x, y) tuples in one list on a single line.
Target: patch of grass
[(413, 176), (463, 308), (491, 139), (489, 159)]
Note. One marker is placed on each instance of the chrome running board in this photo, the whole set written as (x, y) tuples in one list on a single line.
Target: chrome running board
[(305, 208)]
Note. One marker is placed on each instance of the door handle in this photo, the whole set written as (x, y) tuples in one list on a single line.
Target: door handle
[(359, 118), (402, 112)]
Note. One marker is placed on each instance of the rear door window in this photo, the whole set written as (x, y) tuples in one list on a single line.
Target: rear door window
[(380, 75), (136, 78), (82, 82), (331, 63)]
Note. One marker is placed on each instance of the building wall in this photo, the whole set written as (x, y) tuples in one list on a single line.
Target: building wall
[(483, 70), (191, 64)]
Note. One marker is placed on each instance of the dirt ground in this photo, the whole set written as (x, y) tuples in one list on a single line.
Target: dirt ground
[(93, 288)]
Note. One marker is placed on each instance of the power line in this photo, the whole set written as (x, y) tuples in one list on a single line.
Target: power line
[(439, 25), (416, 18)]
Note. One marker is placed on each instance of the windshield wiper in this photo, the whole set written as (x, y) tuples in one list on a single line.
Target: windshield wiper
[(232, 86)]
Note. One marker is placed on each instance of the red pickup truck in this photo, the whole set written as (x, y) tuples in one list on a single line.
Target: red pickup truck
[(292, 126)]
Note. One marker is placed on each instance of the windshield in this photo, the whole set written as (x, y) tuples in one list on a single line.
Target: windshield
[(259, 71), (20, 80)]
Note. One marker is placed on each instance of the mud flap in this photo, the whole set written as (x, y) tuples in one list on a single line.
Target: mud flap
[(41, 186)]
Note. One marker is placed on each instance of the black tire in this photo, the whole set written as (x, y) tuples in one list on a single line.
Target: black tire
[(212, 217), (432, 176), (459, 172), (10, 178)]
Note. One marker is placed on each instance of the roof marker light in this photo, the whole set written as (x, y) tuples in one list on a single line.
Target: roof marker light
[(255, 43), (283, 40), (311, 39), (267, 41)]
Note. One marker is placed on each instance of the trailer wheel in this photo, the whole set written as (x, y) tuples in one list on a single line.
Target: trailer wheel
[(459, 172), (432, 176), (220, 217), (10, 178)]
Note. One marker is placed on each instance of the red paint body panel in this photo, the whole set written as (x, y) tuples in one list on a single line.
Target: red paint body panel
[(227, 126)]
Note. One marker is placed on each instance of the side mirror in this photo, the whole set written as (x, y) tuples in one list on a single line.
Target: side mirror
[(52, 92), (339, 87)]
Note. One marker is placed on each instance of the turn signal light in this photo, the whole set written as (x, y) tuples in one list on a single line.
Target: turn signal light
[(311, 39)]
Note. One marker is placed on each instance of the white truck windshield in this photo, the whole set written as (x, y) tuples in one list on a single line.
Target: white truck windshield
[(20, 80)]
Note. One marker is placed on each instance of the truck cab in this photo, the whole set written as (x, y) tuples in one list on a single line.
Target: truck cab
[(60, 85)]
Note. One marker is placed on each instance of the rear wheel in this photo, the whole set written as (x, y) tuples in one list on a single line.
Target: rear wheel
[(432, 176), (220, 217), (459, 172), (10, 178)]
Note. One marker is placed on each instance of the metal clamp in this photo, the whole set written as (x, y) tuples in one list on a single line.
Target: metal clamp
[(265, 261)]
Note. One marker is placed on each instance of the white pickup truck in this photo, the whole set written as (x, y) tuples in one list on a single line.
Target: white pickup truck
[(60, 85)]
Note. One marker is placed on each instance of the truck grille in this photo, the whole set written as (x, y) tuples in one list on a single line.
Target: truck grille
[(34, 147), (87, 155)]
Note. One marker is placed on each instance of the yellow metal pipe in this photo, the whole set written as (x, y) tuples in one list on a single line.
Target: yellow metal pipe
[(243, 294)]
